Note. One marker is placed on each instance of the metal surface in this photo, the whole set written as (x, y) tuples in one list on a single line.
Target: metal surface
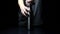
[(29, 24), (28, 5)]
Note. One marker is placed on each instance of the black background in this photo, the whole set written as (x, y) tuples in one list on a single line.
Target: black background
[(9, 14)]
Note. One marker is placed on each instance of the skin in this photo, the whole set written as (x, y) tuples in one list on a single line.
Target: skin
[(23, 7)]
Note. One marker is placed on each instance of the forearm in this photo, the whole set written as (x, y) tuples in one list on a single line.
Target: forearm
[(21, 2)]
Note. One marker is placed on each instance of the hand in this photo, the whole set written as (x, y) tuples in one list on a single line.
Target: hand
[(24, 10)]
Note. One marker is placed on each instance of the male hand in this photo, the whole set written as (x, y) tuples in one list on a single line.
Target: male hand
[(25, 10)]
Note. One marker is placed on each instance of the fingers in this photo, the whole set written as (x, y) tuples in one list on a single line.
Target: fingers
[(25, 10)]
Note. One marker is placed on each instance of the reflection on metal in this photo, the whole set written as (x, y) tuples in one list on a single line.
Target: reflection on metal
[(28, 5), (29, 24)]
